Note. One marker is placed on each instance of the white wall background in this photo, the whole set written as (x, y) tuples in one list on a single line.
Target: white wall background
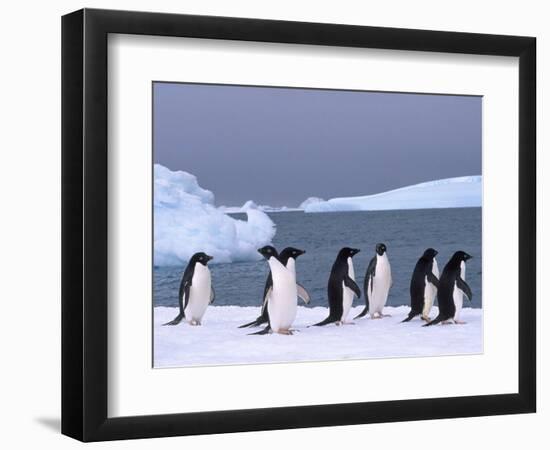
[(30, 223)]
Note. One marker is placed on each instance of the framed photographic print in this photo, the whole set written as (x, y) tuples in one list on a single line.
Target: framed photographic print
[(266, 223)]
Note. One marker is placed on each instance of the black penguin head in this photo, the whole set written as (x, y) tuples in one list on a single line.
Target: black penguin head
[(462, 256), (268, 251), (290, 252), (201, 258), (348, 252), (380, 249), (429, 253)]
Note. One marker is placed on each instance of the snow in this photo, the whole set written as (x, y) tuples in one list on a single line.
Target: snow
[(186, 221), (218, 341), (446, 193)]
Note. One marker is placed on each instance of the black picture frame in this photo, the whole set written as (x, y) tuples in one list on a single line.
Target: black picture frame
[(84, 224)]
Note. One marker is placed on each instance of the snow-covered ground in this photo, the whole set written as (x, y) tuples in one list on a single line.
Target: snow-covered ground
[(186, 221), (219, 341), (446, 193)]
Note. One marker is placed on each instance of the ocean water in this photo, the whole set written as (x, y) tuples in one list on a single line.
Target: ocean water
[(406, 233)]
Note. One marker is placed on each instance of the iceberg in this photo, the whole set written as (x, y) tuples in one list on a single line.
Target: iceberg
[(456, 192), (310, 201), (250, 204), (187, 221)]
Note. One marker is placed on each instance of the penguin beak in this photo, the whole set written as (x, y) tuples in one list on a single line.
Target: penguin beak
[(355, 251), (301, 252), (209, 258)]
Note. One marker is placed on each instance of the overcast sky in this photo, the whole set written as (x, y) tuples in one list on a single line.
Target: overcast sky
[(278, 146)]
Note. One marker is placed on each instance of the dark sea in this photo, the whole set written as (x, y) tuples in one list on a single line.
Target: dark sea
[(406, 233)]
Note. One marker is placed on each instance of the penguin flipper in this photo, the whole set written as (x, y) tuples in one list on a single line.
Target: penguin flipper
[(212, 294), (266, 330), (351, 284), (303, 294), (463, 286), (433, 279)]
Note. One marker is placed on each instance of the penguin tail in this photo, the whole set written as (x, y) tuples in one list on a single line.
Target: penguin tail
[(177, 320), (254, 323), (411, 316), (266, 330), (435, 321), (328, 320), (362, 313)]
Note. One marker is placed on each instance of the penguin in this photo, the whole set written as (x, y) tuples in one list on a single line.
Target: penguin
[(378, 282), (458, 297), (449, 280), (196, 291), (282, 296), (341, 287), (288, 257), (424, 285)]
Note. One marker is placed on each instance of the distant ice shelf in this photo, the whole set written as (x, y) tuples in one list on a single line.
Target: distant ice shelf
[(446, 193)]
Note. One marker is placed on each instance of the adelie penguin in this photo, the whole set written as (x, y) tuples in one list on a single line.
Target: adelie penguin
[(378, 282), (424, 283), (282, 296), (288, 258), (196, 291), (341, 287), (449, 281)]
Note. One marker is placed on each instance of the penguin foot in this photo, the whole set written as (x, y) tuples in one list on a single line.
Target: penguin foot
[(426, 318), (286, 332), (460, 322), (385, 315), (348, 323), (447, 322), (195, 323)]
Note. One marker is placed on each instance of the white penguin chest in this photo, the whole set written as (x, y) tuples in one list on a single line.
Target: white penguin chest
[(430, 291), (347, 297), (199, 293), (382, 276), (458, 296), (381, 283), (283, 300)]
